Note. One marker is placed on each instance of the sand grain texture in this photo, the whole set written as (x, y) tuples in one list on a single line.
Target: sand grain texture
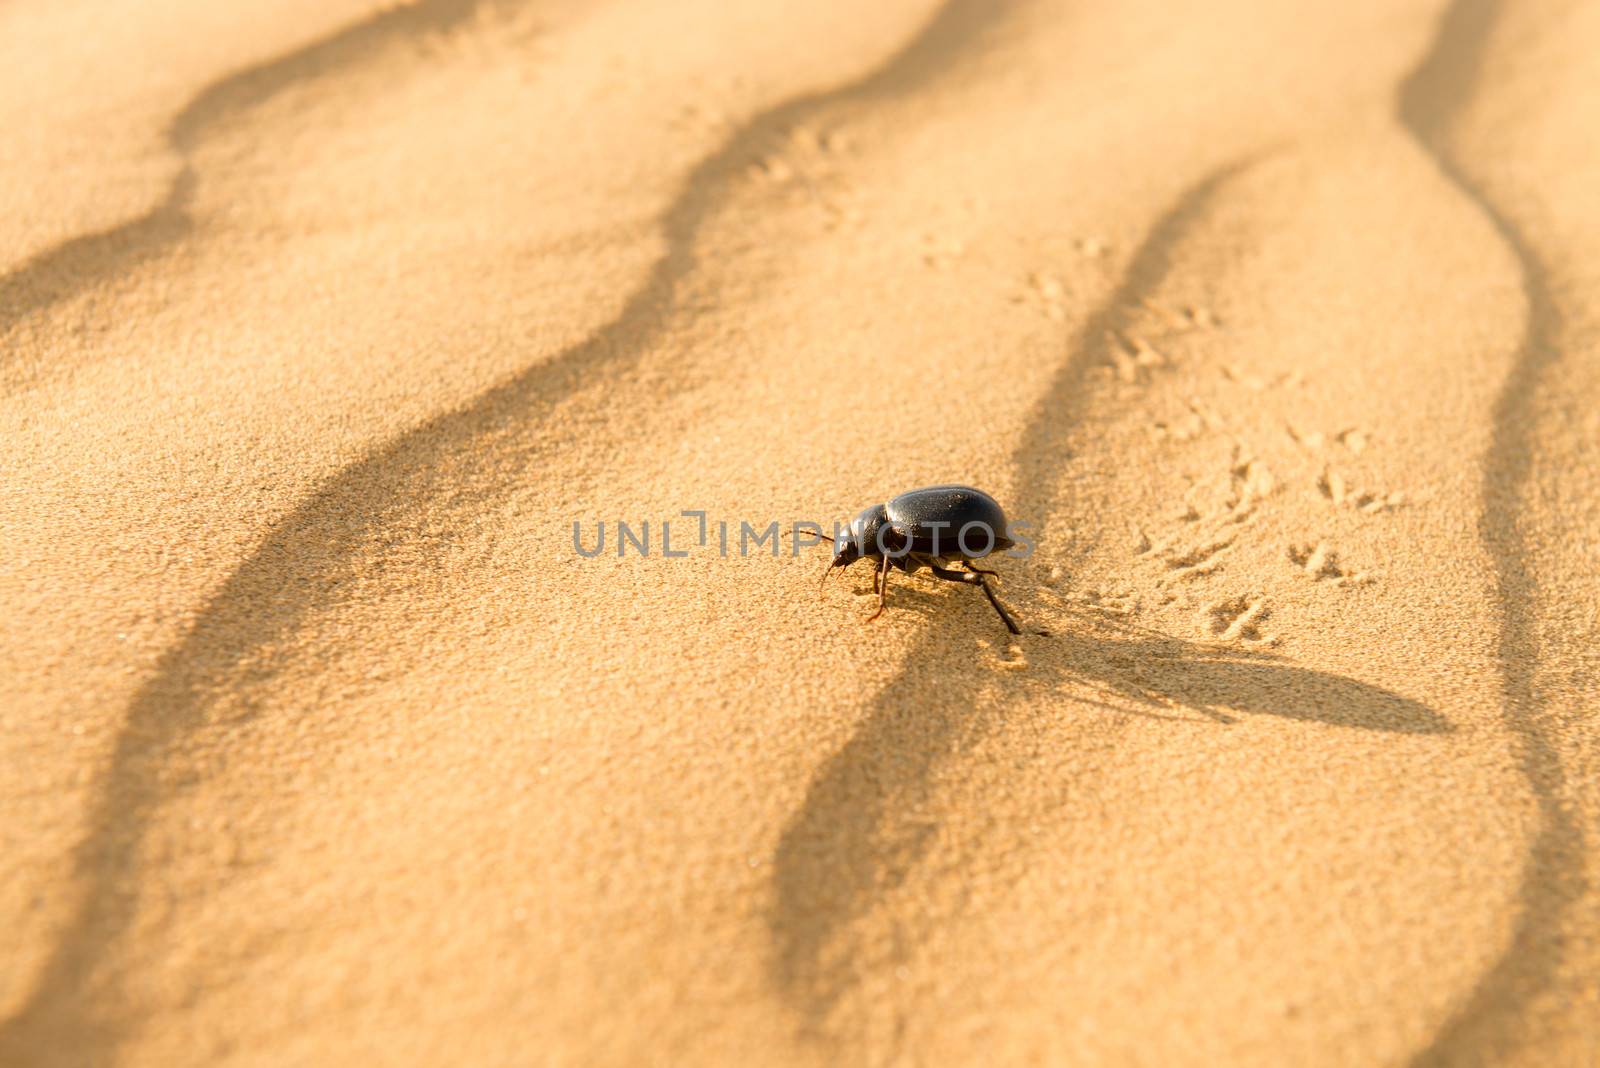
[(320, 325)]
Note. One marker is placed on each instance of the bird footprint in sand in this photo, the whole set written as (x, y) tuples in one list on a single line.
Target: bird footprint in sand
[(1321, 562)]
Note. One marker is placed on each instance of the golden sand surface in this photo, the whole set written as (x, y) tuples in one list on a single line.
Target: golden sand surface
[(321, 324)]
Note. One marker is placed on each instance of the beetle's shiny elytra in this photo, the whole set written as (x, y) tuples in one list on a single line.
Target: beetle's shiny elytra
[(931, 527)]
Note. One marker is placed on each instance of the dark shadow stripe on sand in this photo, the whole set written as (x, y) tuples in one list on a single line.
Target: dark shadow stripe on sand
[(1489, 1023), (80, 263), (301, 561)]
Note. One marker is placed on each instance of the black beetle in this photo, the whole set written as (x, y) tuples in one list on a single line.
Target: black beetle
[(930, 527)]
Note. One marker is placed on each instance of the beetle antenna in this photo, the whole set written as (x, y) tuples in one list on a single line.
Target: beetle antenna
[(825, 573), (820, 534)]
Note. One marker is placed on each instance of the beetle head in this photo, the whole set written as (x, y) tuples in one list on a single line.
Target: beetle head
[(846, 551)]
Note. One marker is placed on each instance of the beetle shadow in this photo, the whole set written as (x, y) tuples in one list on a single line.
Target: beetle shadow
[(864, 826), (1147, 668)]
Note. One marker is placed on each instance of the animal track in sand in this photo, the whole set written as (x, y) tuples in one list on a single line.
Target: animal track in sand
[(1012, 659), (1114, 603), (1249, 482), (1351, 437), (1258, 383), (1310, 439), (1045, 288), (1332, 484), (1196, 552), (1189, 317), (1188, 427), (1240, 618), (1252, 481), (1185, 428), (1132, 354), (1253, 382), (1047, 291), (1321, 562), (1334, 487), (772, 168), (1198, 557), (802, 151), (1199, 561)]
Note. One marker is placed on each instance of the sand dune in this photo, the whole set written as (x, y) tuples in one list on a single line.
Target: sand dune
[(322, 325)]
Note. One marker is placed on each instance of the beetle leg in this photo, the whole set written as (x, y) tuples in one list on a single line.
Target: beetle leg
[(951, 575), (1005, 616), (883, 588), (979, 570), (971, 578)]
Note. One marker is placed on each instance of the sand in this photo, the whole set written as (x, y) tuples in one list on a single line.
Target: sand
[(321, 324)]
